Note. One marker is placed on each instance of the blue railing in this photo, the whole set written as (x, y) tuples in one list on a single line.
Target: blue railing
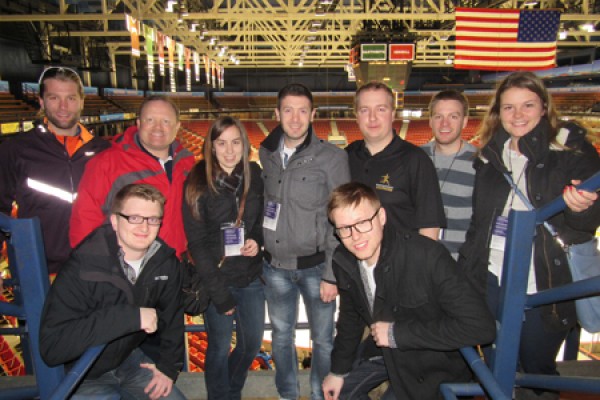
[(30, 283), (499, 379)]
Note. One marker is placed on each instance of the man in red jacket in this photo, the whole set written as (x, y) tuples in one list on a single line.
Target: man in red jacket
[(146, 153)]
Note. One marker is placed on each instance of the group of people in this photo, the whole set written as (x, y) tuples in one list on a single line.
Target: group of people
[(410, 239)]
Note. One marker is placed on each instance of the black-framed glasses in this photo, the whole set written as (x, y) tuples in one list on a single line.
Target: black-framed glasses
[(52, 72), (138, 219), (364, 226)]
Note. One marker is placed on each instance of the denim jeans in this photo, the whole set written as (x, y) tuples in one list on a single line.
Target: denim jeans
[(282, 293), (225, 372), (128, 381), (365, 376)]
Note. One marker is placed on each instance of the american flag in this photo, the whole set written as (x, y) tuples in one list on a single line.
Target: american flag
[(505, 39)]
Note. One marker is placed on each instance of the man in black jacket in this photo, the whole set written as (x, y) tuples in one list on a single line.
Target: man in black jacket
[(40, 169), (120, 287), (408, 291)]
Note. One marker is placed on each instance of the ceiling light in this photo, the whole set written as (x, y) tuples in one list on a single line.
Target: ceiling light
[(448, 61), (588, 27), (562, 35), (320, 11), (169, 7)]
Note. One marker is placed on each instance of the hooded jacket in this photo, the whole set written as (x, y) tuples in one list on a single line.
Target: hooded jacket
[(124, 163), (434, 309), (37, 173), (92, 302), (549, 169)]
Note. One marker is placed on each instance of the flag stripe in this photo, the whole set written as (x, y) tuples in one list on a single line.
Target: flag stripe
[(505, 39)]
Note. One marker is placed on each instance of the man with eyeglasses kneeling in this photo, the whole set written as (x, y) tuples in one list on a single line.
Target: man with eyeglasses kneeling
[(120, 287), (408, 292)]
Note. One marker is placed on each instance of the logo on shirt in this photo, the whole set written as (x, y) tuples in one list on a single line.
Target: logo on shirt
[(384, 184)]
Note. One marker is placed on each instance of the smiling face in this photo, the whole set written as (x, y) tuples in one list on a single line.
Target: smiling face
[(520, 111), (62, 105), (295, 114), (375, 116), (135, 239), (157, 127), (364, 246), (229, 148), (447, 121)]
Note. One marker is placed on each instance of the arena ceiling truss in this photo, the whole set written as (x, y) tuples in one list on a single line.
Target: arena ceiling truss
[(282, 33)]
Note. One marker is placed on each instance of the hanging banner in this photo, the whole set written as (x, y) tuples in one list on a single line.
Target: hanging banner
[(197, 66), (160, 44), (188, 70), (150, 39), (222, 80), (171, 49), (180, 56), (214, 74), (207, 64), (133, 26)]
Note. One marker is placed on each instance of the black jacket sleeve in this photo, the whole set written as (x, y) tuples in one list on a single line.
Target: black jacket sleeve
[(69, 328), (199, 236), (464, 318), (171, 326)]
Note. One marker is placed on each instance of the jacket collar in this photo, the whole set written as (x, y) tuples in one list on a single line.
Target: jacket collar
[(534, 145), (272, 142)]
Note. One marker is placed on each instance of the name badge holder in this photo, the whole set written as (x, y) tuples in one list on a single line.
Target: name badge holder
[(232, 236)]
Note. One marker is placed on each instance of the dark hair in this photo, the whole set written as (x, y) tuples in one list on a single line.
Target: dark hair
[(63, 74), (374, 85), (138, 190), (450, 95), (351, 194), (159, 97), (522, 80), (294, 89), (198, 181)]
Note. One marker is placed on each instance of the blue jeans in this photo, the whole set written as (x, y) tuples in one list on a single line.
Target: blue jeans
[(128, 381), (282, 292), (226, 373)]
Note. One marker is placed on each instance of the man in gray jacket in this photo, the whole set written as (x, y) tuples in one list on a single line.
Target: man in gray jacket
[(300, 171)]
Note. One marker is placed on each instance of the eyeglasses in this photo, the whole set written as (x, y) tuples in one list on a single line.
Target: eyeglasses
[(52, 72), (364, 226), (138, 219)]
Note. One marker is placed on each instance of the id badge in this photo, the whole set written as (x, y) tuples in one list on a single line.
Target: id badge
[(271, 215), (233, 239), (499, 232)]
